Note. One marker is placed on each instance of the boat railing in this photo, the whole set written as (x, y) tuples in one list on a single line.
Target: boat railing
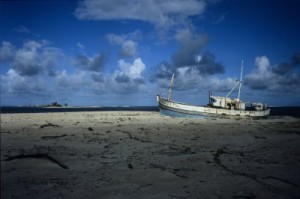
[(176, 102)]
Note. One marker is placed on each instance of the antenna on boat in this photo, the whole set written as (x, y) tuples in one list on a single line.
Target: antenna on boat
[(170, 89), (240, 82)]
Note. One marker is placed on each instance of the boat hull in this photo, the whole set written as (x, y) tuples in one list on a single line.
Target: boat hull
[(188, 109)]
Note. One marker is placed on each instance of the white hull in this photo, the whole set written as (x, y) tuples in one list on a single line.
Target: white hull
[(169, 105)]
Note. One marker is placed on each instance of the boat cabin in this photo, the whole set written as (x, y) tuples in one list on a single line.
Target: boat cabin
[(235, 104), (258, 106), (227, 103)]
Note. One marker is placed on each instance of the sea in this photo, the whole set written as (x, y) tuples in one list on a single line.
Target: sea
[(293, 111)]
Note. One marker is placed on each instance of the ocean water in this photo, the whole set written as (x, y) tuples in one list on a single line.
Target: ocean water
[(275, 111), (16, 109)]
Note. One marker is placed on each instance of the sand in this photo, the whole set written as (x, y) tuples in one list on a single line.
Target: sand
[(146, 155)]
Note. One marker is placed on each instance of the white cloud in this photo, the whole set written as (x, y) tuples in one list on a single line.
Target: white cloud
[(128, 78), (265, 77), (81, 83), (115, 39), (35, 57), (37, 73), (51, 59), (261, 77), (133, 70), (76, 81), (23, 84), (190, 45), (27, 61), (263, 64), (94, 63), (187, 79), (128, 46), (32, 45), (162, 14)]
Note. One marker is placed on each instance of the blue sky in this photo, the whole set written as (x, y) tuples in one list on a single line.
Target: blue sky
[(123, 53)]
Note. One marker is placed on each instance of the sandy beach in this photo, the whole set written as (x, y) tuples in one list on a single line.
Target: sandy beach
[(146, 155)]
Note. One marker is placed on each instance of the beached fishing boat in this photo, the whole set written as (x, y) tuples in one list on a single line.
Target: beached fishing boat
[(218, 106)]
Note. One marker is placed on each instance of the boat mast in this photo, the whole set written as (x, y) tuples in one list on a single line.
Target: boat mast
[(240, 82), (170, 89)]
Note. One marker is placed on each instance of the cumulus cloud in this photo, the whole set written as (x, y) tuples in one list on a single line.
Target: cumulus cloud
[(126, 41), (35, 70), (129, 77), (187, 79), (283, 77), (190, 44), (189, 64), (122, 78), (31, 70), (133, 70), (18, 84), (26, 60), (115, 39), (94, 63), (286, 67), (162, 14), (206, 64), (128, 48), (189, 54), (126, 79), (164, 70), (33, 58), (74, 82), (262, 76), (97, 77), (282, 68), (50, 59)]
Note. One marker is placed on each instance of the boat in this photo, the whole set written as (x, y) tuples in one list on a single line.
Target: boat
[(218, 106)]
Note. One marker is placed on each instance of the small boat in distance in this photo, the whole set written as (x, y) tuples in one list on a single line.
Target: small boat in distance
[(218, 106)]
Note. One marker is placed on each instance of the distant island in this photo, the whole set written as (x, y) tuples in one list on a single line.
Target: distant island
[(54, 105)]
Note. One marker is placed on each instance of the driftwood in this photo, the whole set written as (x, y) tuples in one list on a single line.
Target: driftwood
[(53, 136), (38, 156), (49, 125)]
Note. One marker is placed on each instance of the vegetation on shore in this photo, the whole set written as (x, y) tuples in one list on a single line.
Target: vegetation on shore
[(54, 105)]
